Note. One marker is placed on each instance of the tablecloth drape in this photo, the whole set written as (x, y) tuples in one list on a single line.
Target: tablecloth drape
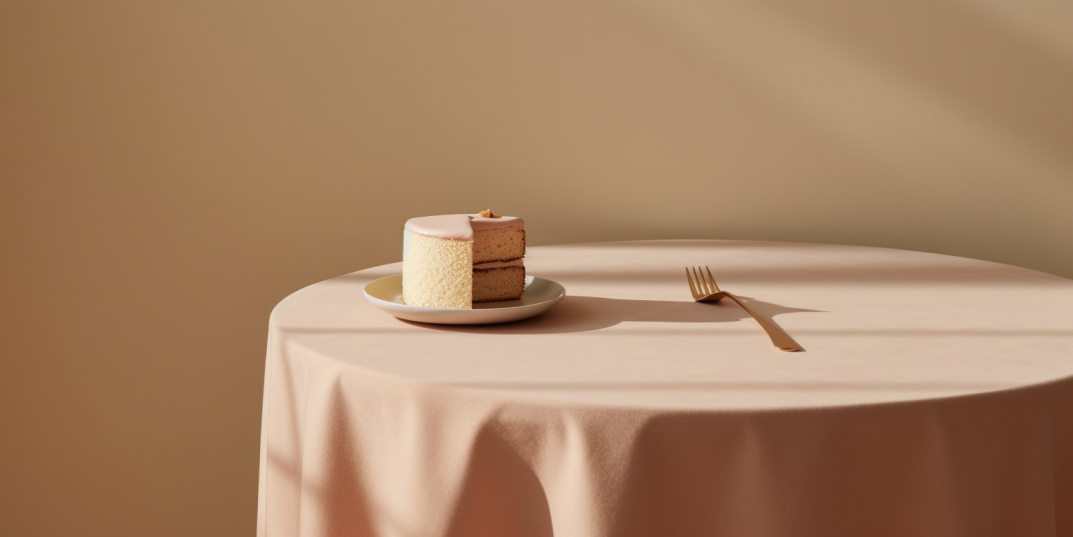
[(934, 397)]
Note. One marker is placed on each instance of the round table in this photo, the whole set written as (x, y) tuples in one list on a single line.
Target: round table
[(934, 397)]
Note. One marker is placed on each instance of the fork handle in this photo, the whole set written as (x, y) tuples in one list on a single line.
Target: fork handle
[(779, 338)]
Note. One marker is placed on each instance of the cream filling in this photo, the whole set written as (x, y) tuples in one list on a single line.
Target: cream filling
[(499, 264)]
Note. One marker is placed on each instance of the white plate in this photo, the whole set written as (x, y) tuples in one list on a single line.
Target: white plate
[(539, 296)]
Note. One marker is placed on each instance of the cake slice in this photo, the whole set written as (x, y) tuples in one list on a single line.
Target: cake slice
[(452, 261)]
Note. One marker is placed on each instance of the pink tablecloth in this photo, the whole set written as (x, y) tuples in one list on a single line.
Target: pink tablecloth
[(935, 397)]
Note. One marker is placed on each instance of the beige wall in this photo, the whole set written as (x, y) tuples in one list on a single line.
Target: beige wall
[(172, 170)]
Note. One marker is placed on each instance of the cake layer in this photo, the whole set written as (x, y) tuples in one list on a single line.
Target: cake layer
[(498, 244), (502, 283)]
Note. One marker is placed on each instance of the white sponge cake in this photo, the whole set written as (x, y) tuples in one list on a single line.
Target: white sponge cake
[(437, 272), (451, 261)]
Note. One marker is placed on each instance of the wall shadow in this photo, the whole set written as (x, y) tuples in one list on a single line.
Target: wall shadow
[(967, 55)]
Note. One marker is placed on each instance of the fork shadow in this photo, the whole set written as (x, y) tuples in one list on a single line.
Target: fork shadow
[(589, 313)]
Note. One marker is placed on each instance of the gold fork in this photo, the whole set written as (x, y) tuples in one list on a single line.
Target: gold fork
[(704, 289)]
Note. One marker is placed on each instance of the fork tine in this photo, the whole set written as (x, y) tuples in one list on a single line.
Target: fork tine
[(701, 284), (692, 288), (712, 278)]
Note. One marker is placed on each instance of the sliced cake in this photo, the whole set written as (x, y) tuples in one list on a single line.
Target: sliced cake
[(451, 261)]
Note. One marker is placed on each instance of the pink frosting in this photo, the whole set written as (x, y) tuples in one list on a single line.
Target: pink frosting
[(459, 226)]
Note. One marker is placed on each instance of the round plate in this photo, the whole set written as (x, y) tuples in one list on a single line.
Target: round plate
[(539, 296)]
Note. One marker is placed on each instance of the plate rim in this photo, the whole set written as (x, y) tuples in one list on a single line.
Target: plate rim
[(394, 307)]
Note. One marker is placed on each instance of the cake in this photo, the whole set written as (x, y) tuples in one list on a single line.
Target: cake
[(451, 261)]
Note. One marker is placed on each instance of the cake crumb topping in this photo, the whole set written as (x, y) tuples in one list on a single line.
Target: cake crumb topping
[(487, 213)]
